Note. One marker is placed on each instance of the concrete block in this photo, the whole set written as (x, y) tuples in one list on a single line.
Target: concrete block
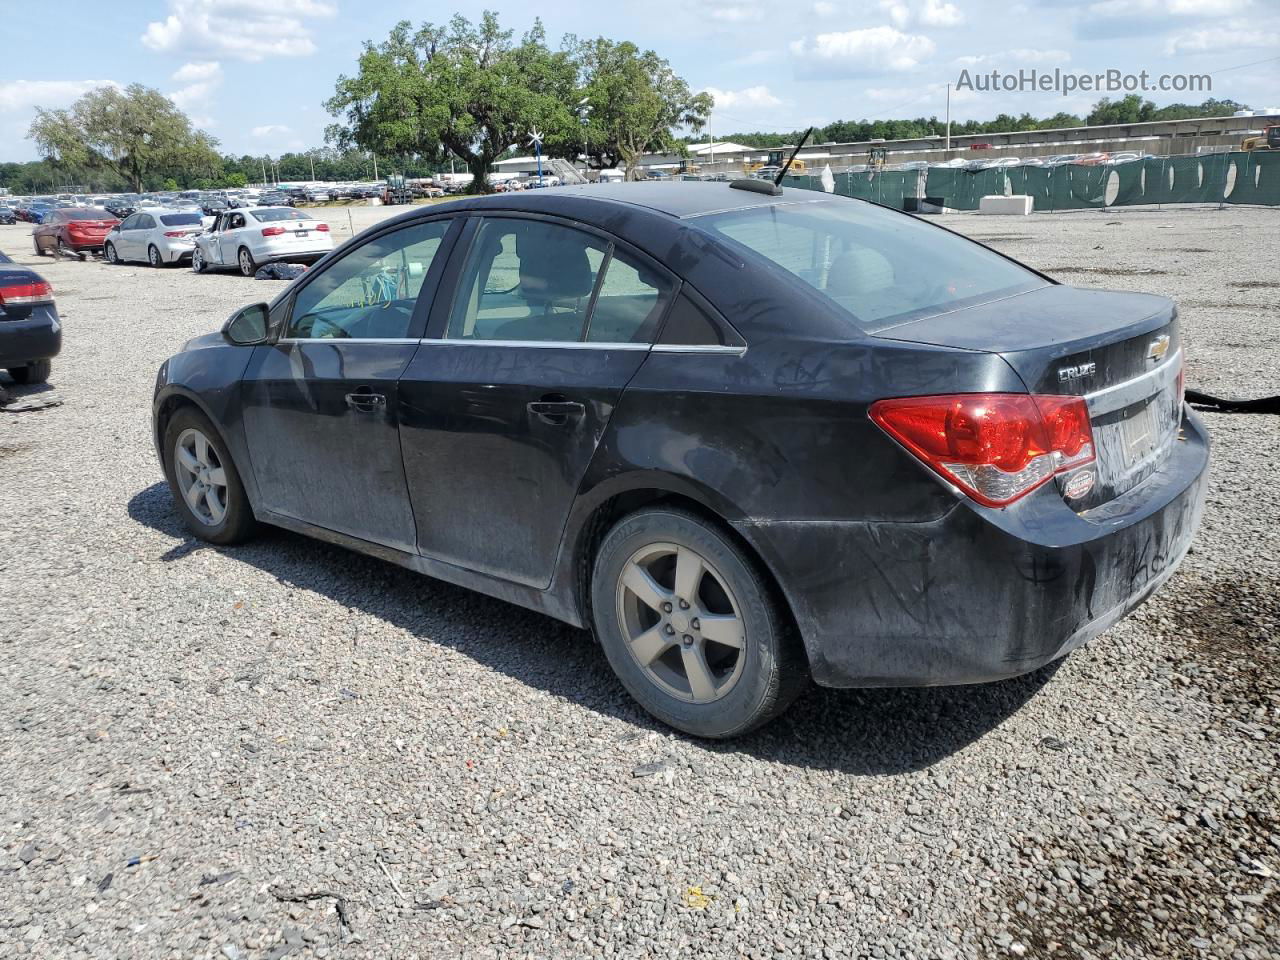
[(1019, 205)]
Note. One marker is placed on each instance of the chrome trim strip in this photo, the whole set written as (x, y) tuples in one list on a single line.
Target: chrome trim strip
[(1141, 387), (540, 344), (333, 340), (697, 348)]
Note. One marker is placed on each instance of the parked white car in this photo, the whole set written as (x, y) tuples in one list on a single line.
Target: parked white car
[(246, 239), (156, 235)]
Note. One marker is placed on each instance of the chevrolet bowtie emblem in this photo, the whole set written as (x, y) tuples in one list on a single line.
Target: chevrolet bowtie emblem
[(1158, 347)]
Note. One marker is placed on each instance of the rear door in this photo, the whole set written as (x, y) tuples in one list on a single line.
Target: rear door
[(504, 404), (321, 405)]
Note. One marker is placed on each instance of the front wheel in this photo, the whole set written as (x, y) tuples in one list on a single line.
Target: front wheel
[(109, 251), (247, 266), (203, 478), (198, 263), (37, 371), (691, 627)]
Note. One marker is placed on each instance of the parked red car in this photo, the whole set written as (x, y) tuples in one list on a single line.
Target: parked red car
[(73, 230)]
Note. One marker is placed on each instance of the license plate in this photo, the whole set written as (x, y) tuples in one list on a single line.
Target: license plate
[(300, 233)]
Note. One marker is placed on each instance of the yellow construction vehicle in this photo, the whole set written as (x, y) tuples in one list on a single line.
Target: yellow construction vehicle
[(1270, 139)]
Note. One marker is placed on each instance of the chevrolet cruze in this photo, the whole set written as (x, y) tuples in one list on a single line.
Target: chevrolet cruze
[(748, 436)]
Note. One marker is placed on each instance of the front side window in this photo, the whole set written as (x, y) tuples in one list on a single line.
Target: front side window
[(526, 280), (881, 266), (372, 291)]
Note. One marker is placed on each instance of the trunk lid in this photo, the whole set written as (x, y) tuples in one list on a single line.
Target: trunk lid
[(1121, 351)]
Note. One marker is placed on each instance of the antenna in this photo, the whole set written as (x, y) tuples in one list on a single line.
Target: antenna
[(777, 181)]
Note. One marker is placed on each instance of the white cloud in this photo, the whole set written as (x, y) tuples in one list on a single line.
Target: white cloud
[(824, 9), (1215, 39), (897, 11), (201, 80), (755, 58), (937, 13), (860, 52), (1020, 55), (756, 97), (238, 29), (49, 94), (1148, 9), (270, 130)]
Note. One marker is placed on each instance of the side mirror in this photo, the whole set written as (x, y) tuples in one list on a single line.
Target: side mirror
[(247, 326)]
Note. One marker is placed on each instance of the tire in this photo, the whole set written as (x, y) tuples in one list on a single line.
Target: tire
[(63, 250), (743, 684), (236, 522), (37, 371), (109, 253), (197, 261), (245, 259), (39, 249), (153, 256)]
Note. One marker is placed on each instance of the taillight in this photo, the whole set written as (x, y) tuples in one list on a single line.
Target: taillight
[(996, 447), (175, 233), (25, 294), (272, 231), (322, 227)]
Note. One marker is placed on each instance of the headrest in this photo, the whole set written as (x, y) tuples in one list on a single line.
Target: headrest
[(858, 273), (553, 265)]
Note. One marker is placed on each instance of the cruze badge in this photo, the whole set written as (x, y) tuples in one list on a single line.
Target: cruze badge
[(1067, 374), (1158, 347)]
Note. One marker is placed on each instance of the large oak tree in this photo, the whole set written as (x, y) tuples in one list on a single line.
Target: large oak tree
[(134, 133), (463, 89)]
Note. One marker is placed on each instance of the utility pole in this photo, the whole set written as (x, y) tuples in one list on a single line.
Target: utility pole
[(311, 157), (263, 160), (375, 167), (948, 117)]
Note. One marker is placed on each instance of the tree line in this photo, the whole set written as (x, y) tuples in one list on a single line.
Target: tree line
[(1129, 109)]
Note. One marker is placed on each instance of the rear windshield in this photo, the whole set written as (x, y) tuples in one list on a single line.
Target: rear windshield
[(180, 219), (283, 213), (84, 215), (881, 266)]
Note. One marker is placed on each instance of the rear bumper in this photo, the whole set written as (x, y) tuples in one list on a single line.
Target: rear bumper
[(36, 337), (982, 594)]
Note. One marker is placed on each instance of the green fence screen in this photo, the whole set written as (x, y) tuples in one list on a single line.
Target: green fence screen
[(1239, 177)]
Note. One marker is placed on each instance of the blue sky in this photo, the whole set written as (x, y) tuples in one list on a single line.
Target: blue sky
[(254, 73)]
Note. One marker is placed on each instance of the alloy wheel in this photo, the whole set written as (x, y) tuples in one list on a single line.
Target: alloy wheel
[(197, 261), (201, 477), (153, 255), (246, 263), (111, 253), (681, 622)]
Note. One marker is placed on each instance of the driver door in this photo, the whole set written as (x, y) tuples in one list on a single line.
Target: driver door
[(321, 404)]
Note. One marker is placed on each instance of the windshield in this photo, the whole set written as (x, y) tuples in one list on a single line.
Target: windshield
[(283, 213), (881, 266), (180, 219)]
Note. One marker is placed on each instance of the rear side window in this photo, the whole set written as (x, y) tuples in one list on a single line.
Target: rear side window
[(881, 266), (630, 303), (283, 213), (689, 325)]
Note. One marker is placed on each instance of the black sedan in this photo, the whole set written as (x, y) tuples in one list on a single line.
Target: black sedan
[(747, 436), (30, 329)]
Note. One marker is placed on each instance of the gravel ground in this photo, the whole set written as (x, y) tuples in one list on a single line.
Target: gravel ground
[(192, 736)]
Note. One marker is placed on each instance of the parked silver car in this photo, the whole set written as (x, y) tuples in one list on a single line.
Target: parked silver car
[(156, 235)]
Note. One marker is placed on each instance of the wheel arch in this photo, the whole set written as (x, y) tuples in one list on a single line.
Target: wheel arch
[(603, 511)]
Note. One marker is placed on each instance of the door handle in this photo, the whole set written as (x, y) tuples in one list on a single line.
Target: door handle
[(366, 401), (556, 409)]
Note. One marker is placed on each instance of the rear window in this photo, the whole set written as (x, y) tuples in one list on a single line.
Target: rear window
[(180, 219), (83, 214), (881, 266), (283, 213)]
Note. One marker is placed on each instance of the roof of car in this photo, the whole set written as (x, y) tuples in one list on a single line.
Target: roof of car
[(681, 199)]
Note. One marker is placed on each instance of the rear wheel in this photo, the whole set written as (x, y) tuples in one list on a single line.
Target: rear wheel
[(39, 249), (691, 627), (247, 266), (37, 371), (153, 256), (205, 483)]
